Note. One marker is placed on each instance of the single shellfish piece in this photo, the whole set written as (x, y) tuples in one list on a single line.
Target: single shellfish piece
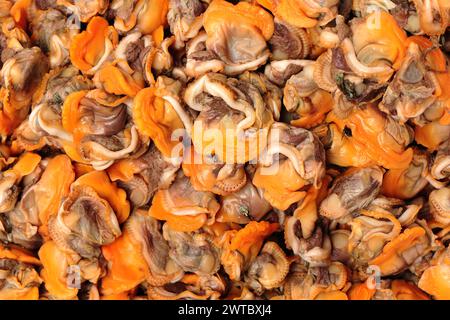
[(206, 175), (434, 280), (9, 179), (294, 158), (402, 251), (21, 76), (315, 248), (18, 275), (240, 248), (406, 183), (380, 137), (353, 190), (84, 223), (289, 42), (370, 232), (43, 199), (185, 19), (108, 190), (439, 201), (184, 208), (237, 34), (160, 115), (302, 14), (147, 16), (91, 48), (115, 80), (244, 205), (269, 269), (141, 177), (193, 252), (234, 120), (147, 257), (55, 264)]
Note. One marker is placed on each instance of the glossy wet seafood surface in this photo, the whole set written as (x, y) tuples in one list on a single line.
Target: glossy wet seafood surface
[(232, 150)]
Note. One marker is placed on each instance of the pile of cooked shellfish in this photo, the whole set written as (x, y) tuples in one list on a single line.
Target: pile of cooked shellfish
[(212, 149)]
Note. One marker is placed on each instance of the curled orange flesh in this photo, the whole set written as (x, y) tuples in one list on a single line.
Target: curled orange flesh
[(153, 16), (124, 169), (322, 102), (374, 31), (184, 223), (81, 169), (361, 291), (116, 197), (200, 174), (249, 239), (87, 47), (26, 164), (118, 82), (156, 119), (55, 264), (148, 16), (53, 187), (431, 135), (343, 152), (367, 125), (386, 261), (282, 188), (70, 111), (435, 281), (123, 274), (203, 177), (243, 13), (404, 290), (19, 254), (289, 11), (71, 123)]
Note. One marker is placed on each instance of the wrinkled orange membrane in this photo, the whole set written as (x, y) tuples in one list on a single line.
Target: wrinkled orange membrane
[(322, 102), (282, 188), (52, 188), (19, 254), (123, 274), (150, 16), (118, 82), (124, 170), (391, 252), (367, 125), (54, 273), (289, 11), (156, 119), (26, 164), (249, 239), (381, 28), (243, 13), (87, 47)]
